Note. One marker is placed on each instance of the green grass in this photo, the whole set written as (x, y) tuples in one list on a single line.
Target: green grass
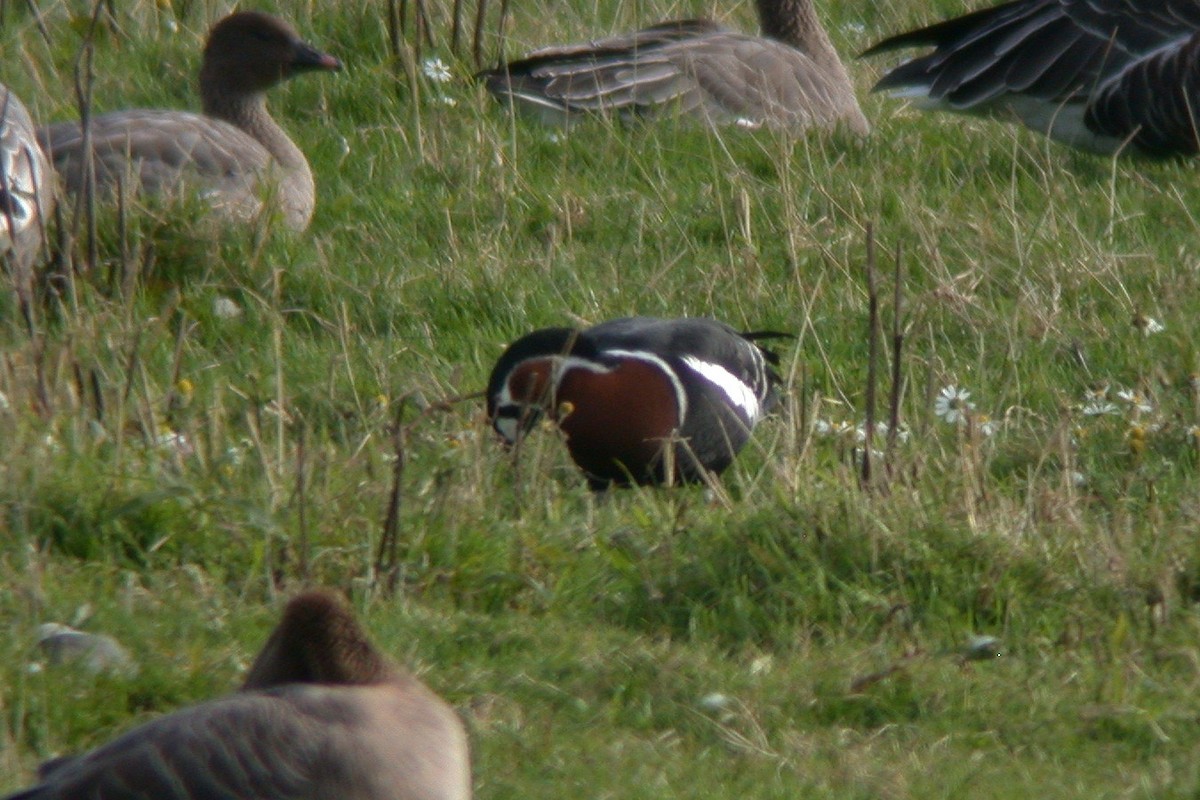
[(586, 640)]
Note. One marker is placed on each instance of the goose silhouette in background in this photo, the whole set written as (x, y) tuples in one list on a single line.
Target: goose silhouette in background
[(788, 77), (1099, 75), (26, 193), (230, 150), (639, 400), (322, 714)]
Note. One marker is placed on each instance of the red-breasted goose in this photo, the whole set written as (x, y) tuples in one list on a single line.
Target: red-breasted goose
[(634, 395), (789, 77), (229, 150), (26, 189), (1095, 74), (322, 714)]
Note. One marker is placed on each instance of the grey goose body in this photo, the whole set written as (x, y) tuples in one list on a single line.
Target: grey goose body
[(789, 77), (1101, 75), (26, 188), (322, 715), (233, 154)]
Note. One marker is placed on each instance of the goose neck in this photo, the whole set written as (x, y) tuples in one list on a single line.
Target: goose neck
[(795, 22), (249, 113)]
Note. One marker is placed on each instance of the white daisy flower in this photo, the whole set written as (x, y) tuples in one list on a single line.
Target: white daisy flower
[(953, 404), (436, 70), (1135, 400), (1147, 325), (1099, 408)]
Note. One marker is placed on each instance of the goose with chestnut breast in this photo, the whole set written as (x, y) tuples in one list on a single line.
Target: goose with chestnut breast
[(322, 714), (788, 77), (234, 153)]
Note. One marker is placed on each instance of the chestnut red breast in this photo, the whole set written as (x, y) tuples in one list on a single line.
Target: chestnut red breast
[(639, 400)]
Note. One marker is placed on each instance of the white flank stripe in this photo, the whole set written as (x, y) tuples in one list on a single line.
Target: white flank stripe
[(739, 394)]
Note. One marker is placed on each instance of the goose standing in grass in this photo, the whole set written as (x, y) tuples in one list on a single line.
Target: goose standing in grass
[(789, 77), (634, 396), (26, 193), (1095, 74), (322, 714), (230, 150)]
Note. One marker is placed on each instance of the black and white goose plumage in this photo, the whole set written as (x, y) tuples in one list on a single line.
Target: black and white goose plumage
[(789, 77), (1099, 75), (26, 189), (639, 400)]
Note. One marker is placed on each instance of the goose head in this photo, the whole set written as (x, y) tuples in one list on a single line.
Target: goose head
[(249, 52), (318, 641)]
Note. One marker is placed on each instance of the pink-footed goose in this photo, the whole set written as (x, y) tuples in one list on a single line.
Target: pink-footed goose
[(789, 77), (322, 714), (1095, 74), (230, 150), (26, 190)]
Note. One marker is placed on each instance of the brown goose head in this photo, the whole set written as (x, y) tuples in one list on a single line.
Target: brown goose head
[(249, 52), (318, 641)]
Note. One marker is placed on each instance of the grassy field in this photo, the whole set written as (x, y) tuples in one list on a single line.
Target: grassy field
[(204, 420)]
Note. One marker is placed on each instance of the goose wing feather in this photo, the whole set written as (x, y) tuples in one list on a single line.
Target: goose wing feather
[(695, 65), (160, 147), (247, 746), (1054, 50), (1153, 103)]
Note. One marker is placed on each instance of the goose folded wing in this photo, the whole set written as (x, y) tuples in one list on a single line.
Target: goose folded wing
[(157, 147), (1153, 102), (252, 745)]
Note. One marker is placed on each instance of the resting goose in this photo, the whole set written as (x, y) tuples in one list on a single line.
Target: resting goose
[(26, 196), (322, 714), (228, 150), (1095, 74), (789, 77)]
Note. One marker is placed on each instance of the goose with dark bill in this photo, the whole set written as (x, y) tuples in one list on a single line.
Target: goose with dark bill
[(639, 400), (234, 154)]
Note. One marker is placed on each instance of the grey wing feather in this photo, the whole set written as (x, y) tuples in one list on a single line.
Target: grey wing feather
[(1154, 101), (245, 747), (160, 147), (690, 67), (1055, 50)]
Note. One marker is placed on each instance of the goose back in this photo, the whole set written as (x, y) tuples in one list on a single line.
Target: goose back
[(1094, 74), (322, 718), (788, 77), (234, 153)]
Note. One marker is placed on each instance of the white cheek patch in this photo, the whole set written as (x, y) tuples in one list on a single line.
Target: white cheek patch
[(507, 427), (739, 394)]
